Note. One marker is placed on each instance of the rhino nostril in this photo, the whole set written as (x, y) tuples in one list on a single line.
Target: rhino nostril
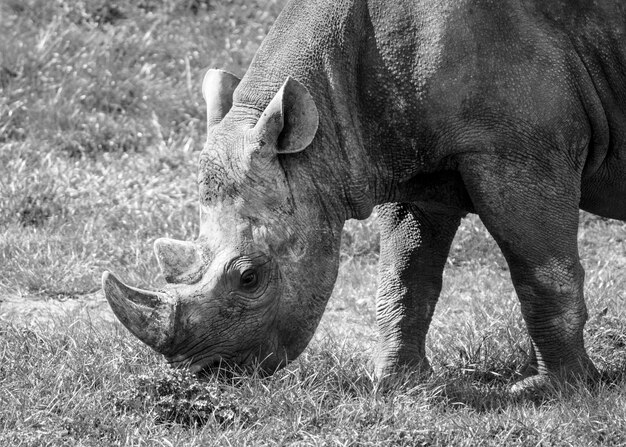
[(179, 260)]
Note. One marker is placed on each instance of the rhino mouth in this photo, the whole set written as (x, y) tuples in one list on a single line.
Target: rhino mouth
[(229, 366), (209, 366), (214, 366)]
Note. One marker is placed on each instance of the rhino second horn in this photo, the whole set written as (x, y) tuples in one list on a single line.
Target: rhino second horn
[(149, 316), (218, 87), (179, 260)]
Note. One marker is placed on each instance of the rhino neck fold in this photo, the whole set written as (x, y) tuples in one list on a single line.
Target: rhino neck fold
[(320, 46)]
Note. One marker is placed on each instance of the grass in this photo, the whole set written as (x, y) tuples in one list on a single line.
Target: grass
[(101, 120), (77, 381)]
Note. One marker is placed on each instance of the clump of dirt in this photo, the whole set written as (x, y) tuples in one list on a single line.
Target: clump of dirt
[(177, 396)]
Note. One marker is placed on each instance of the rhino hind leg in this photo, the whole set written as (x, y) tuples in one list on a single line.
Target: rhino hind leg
[(414, 247), (532, 213)]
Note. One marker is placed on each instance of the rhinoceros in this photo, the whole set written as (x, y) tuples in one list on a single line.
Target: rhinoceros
[(432, 109)]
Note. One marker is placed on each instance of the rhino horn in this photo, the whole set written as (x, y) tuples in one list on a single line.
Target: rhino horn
[(217, 88), (149, 316), (179, 260)]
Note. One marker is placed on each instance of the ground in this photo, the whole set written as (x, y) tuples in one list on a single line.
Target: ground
[(101, 121)]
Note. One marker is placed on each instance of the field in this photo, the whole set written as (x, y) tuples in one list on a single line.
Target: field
[(101, 123)]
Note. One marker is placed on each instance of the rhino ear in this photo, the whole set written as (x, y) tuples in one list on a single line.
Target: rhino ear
[(290, 120), (217, 88)]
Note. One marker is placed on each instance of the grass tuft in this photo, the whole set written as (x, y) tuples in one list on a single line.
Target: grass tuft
[(101, 75)]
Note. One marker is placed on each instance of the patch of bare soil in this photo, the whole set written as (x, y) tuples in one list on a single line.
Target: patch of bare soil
[(41, 309)]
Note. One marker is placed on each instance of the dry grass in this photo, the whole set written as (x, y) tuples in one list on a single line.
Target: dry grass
[(100, 123)]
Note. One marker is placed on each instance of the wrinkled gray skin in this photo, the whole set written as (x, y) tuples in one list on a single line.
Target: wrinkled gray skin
[(513, 109)]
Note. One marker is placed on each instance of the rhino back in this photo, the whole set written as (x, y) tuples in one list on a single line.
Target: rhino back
[(404, 87)]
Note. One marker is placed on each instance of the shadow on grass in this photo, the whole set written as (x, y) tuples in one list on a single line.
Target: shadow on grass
[(485, 389), (490, 396), (481, 390), (323, 381)]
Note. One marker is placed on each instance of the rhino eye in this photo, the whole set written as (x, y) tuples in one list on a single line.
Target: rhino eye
[(249, 280)]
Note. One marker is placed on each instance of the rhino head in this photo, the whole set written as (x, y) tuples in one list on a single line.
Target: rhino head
[(251, 289)]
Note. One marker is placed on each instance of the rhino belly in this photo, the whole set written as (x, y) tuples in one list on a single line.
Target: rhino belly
[(604, 193)]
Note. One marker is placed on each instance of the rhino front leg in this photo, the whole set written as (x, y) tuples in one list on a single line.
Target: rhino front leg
[(414, 247), (530, 206)]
